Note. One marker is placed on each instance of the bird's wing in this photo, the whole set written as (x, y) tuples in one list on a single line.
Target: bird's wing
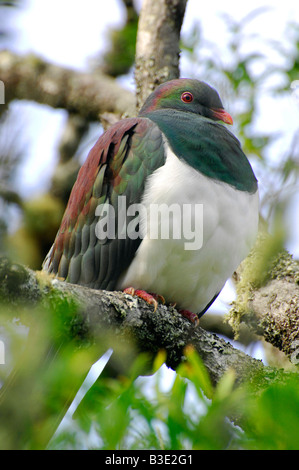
[(118, 165)]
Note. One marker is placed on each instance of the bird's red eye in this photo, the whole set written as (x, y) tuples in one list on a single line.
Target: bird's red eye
[(187, 97)]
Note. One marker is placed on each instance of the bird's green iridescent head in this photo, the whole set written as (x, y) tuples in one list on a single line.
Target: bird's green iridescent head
[(187, 95)]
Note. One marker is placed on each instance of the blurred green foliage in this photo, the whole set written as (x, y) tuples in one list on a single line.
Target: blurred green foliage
[(120, 56), (128, 413), (47, 355)]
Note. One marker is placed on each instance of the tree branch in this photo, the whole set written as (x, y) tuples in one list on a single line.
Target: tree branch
[(127, 319), (31, 78)]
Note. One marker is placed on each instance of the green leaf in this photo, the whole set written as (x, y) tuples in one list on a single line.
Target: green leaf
[(194, 370)]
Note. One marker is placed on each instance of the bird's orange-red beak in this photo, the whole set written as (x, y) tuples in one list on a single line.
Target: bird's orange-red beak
[(222, 115)]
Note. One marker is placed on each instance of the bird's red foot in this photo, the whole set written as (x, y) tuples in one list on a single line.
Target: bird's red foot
[(151, 299), (154, 299), (189, 315)]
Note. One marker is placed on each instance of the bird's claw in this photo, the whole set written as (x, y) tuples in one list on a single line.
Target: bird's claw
[(190, 316), (154, 299), (151, 299)]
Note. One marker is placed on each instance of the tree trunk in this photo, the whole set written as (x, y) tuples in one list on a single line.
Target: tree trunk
[(157, 50)]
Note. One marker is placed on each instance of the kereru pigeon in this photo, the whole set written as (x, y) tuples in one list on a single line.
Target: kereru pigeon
[(165, 204)]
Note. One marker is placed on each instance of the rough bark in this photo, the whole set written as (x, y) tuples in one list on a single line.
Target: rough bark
[(157, 49), (268, 296)]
